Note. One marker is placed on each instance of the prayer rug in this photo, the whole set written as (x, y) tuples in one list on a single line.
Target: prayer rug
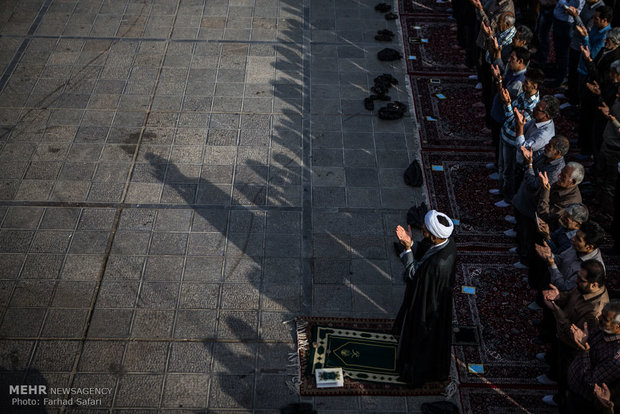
[(365, 350), (497, 305), (450, 113), (458, 185), (431, 46), (505, 401)]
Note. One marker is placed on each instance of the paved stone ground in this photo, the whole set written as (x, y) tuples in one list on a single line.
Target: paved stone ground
[(180, 178)]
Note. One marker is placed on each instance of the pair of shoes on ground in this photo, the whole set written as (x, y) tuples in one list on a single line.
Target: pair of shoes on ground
[(510, 233), (384, 35), (544, 379), (549, 400), (515, 250), (533, 306), (540, 340), (383, 7)]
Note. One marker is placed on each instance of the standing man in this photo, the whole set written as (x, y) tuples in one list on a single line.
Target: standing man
[(424, 321), (598, 364)]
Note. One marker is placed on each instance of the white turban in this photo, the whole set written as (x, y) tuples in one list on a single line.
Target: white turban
[(435, 227)]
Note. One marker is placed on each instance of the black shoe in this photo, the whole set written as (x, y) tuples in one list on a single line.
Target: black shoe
[(386, 32), (383, 7), (383, 38), (369, 104), (389, 55), (391, 16), (379, 89), (387, 79), (393, 111)]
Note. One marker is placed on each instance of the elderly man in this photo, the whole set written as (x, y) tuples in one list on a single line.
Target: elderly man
[(579, 307), (560, 240), (525, 201), (424, 321), (554, 198), (598, 364), (574, 216)]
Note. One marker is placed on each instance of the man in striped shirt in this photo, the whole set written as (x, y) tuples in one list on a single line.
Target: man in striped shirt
[(524, 102)]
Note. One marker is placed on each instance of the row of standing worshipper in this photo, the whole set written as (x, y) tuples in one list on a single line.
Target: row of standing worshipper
[(555, 240), (505, 61)]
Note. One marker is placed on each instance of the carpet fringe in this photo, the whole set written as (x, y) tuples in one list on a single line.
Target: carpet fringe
[(451, 389), (294, 365)]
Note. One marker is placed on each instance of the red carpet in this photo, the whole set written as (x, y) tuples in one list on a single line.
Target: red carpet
[(458, 185)]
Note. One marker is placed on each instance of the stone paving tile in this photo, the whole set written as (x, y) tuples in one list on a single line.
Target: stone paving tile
[(196, 117)]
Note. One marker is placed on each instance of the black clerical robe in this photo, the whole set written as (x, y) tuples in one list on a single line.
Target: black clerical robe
[(424, 321)]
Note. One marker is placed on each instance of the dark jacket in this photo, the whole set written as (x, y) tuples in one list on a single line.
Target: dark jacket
[(424, 321), (525, 201), (552, 203)]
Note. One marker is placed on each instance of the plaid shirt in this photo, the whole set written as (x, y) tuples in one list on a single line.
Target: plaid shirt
[(503, 39), (601, 364), (509, 133)]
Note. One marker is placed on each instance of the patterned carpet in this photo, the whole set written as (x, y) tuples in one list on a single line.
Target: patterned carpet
[(363, 348), (432, 41), (458, 185), (504, 348)]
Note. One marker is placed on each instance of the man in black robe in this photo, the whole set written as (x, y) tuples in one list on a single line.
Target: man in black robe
[(424, 321)]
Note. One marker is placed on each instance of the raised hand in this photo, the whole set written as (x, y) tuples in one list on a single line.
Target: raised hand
[(486, 29), (603, 394), (528, 154), (580, 337), (477, 4), (583, 32), (604, 110), (585, 51), (495, 71), (544, 180), (495, 48), (543, 229), (404, 236), (519, 119), (504, 95), (594, 87), (572, 11), (544, 251), (551, 294)]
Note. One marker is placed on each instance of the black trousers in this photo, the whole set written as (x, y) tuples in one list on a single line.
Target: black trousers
[(527, 230)]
